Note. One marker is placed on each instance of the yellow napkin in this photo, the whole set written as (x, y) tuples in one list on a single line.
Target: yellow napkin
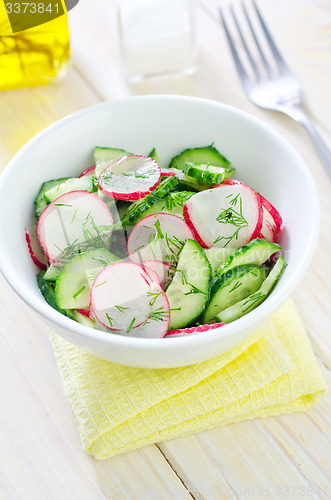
[(118, 408)]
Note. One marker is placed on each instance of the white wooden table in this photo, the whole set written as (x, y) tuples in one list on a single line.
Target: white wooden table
[(283, 457)]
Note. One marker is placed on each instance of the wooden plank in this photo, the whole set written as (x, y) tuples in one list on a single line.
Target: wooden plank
[(40, 452), (272, 457)]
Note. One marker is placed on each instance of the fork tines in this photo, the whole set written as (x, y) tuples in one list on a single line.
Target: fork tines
[(264, 38)]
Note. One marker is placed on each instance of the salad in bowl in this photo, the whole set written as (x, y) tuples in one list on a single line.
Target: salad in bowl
[(160, 257), (132, 248)]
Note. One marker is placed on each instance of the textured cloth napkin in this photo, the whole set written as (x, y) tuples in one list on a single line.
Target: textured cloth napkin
[(118, 408)]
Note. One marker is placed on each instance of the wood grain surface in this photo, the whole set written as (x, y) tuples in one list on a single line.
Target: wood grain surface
[(282, 457)]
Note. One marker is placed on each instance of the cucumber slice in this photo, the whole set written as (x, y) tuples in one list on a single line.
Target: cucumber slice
[(207, 154), (231, 287), (209, 174), (257, 252), (153, 154), (53, 272), (48, 293), (139, 207), (172, 203), (118, 209), (73, 285), (252, 301), (84, 320), (188, 291), (104, 156), (176, 200), (40, 202), (84, 183), (118, 243), (187, 186), (217, 256), (186, 182)]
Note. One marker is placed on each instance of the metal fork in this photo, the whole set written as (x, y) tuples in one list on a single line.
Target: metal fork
[(269, 83)]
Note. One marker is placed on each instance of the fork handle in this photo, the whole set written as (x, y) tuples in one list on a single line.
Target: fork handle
[(298, 114)]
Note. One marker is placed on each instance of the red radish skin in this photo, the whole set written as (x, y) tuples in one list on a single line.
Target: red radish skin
[(127, 299), (85, 312), (272, 213), (161, 228), (87, 171), (35, 251), (151, 273), (268, 231), (130, 178), (206, 212), (191, 226), (64, 222), (278, 222), (233, 182), (181, 332), (230, 182), (164, 173), (161, 269)]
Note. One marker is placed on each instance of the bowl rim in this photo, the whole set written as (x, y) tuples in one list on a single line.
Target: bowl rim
[(266, 309)]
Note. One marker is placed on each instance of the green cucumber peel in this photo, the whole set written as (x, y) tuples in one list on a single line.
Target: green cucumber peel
[(246, 305), (206, 154), (255, 252), (134, 212), (207, 174)]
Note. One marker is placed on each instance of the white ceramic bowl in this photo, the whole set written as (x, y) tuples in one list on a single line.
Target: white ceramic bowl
[(262, 158)]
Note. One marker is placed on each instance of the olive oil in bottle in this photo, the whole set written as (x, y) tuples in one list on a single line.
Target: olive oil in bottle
[(31, 53)]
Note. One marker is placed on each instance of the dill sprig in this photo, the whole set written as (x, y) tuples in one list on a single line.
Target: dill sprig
[(82, 288), (233, 217), (194, 289), (159, 314), (110, 320), (154, 295), (252, 300), (237, 285), (158, 229), (177, 199), (130, 325), (95, 237), (121, 309)]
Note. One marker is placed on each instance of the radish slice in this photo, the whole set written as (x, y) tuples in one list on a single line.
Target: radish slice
[(85, 312), (88, 171), (35, 250), (73, 223), (182, 332), (230, 182), (274, 214), (156, 326), (167, 173), (130, 177), (158, 237), (229, 215), (125, 298), (274, 218), (268, 230), (162, 269)]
